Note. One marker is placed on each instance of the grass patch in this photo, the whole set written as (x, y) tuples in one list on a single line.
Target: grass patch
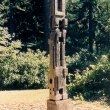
[(23, 96), (35, 97)]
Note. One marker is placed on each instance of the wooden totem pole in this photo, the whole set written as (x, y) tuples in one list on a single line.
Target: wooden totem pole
[(58, 71)]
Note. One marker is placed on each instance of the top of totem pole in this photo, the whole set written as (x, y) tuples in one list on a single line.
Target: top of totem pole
[(57, 7)]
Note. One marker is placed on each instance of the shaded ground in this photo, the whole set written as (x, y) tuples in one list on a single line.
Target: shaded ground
[(36, 100)]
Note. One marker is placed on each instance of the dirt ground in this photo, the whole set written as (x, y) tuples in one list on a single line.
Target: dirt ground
[(37, 100)]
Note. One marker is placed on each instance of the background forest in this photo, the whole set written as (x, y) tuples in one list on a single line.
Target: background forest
[(24, 49)]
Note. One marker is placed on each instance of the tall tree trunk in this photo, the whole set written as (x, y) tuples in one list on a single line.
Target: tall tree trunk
[(46, 23), (90, 29), (11, 22)]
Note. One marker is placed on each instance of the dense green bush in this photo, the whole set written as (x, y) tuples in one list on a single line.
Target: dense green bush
[(80, 61), (93, 82), (20, 70)]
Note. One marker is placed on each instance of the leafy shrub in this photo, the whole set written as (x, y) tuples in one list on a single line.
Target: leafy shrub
[(80, 61), (93, 82), (20, 70)]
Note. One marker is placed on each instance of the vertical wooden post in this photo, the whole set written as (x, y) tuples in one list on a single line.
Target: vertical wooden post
[(58, 97)]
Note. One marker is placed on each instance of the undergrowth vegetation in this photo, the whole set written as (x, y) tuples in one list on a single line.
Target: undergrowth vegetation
[(21, 70), (89, 76)]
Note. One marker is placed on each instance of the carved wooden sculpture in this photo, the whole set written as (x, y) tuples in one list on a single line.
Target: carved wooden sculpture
[(58, 71)]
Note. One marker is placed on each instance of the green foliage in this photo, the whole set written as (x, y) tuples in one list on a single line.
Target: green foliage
[(77, 36), (25, 18), (20, 70), (80, 61), (28, 22), (79, 29), (93, 82), (4, 11)]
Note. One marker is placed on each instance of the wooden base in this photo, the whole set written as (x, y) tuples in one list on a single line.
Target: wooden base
[(57, 105)]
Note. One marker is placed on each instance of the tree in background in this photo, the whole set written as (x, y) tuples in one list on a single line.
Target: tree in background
[(4, 12), (80, 24), (25, 18), (29, 23), (102, 36), (46, 24), (77, 36), (29, 19), (87, 22)]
